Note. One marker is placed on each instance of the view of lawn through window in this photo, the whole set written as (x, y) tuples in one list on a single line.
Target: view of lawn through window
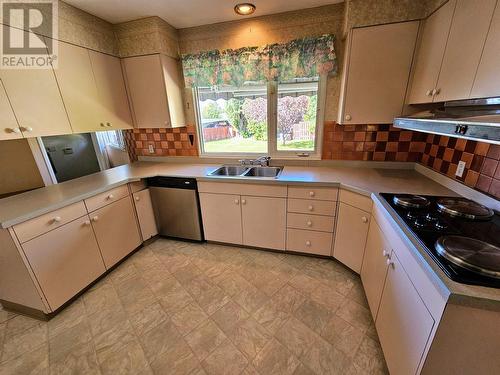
[(235, 119)]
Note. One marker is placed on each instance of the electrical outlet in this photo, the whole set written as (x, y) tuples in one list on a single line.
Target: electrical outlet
[(151, 149), (460, 169)]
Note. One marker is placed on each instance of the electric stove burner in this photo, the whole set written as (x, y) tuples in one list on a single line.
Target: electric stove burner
[(472, 254), (410, 201), (462, 207)]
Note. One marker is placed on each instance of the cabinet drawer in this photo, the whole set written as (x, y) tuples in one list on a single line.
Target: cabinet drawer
[(318, 193), (256, 190), (44, 223), (310, 222), (307, 241), (137, 186), (304, 206), (356, 200), (110, 196)]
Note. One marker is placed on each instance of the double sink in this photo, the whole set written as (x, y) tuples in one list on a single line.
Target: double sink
[(246, 171)]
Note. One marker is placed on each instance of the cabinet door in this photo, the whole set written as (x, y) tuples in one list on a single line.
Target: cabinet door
[(78, 88), (174, 84), (116, 230), (463, 51), (403, 323), (374, 266), (377, 73), (65, 260), (350, 236), (111, 89), (487, 82), (145, 214), (9, 128), (430, 54), (221, 215), (264, 222), (36, 101)]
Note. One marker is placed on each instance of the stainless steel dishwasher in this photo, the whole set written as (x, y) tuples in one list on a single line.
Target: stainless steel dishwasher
[(176, 206)]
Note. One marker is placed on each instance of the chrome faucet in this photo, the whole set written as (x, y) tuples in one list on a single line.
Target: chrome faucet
[(263, 161)]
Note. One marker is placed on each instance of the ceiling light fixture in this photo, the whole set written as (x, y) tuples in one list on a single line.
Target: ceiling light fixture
[(244, 9)]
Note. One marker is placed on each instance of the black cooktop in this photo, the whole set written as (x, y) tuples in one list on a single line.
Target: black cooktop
[(428, 224)]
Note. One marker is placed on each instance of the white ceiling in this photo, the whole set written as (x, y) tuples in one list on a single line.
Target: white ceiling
[(187, 13)]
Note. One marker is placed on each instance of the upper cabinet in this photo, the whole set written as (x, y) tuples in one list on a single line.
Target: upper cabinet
[(155, 85), (36, 101), (468, 33), (456, 39), (430, 54), (9, 128), (111, 91), (376, 72), (487, 82)]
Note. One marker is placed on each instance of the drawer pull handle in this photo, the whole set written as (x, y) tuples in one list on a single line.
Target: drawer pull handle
[(95, 218), (310, 208), (243, 201), (236, 201), (364, 219), (309, 223), (312, 194), (57, 219), (386, 254), (111, 196), (86, 223), (390, 263), (137, 199), (308, 243)]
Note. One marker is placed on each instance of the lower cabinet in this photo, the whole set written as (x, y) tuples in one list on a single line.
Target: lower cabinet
[(374, 268), (116, 230), (350, 237), (308, 241), (264, 222), (145, 214), (221, 215), (65, 260), (403, 323)]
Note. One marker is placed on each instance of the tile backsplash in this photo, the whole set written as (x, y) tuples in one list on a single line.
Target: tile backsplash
[(359, 142)]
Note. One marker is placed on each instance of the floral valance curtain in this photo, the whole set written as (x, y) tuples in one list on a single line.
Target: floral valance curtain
[(307, 57)]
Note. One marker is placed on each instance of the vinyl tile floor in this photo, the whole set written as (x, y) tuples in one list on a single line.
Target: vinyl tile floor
[(182, 308)]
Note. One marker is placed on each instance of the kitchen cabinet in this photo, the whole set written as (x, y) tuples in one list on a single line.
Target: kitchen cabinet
[(468, 32), (308, 241), (10, 128), (429, 56), (221, 215), (264, 222), (78, 87), (155, 85), (403, 323), (377, 68), (36, 101), (145, 214), (116, 230), (487, 81), (374, 266), (65, 260), (111, 91), (350, 236)]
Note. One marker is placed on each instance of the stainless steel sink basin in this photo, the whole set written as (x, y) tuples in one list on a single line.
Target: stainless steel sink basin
[(263, 172), (229, 170)]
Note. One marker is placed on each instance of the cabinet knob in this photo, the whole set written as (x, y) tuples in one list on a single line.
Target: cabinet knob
[(27, 129), (364, 219), (243, 201), (95, 218), (308, 243), (57, 219), (436, 91), (111, 196), (309, 223), (429, 92), (312, 193), (386, 254), (86, 223), (348, 117), (390, 263), (108, 124), (102, 124), (310, 208), (13, 130), (137, 199), (237, 201)]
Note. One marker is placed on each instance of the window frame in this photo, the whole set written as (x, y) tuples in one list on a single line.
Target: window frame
[(272, 129)]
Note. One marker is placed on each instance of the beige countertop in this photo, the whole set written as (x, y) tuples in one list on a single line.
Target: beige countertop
[(366, 181)]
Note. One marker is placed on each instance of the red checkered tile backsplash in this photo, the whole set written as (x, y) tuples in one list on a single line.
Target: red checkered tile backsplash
[(359, 142)]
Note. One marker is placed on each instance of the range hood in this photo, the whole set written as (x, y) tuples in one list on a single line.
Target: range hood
[(476, 119)]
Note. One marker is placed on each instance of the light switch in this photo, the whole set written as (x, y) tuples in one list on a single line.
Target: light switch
[(460, 169)]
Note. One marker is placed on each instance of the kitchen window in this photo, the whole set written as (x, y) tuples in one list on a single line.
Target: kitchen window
[(281, 119)]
